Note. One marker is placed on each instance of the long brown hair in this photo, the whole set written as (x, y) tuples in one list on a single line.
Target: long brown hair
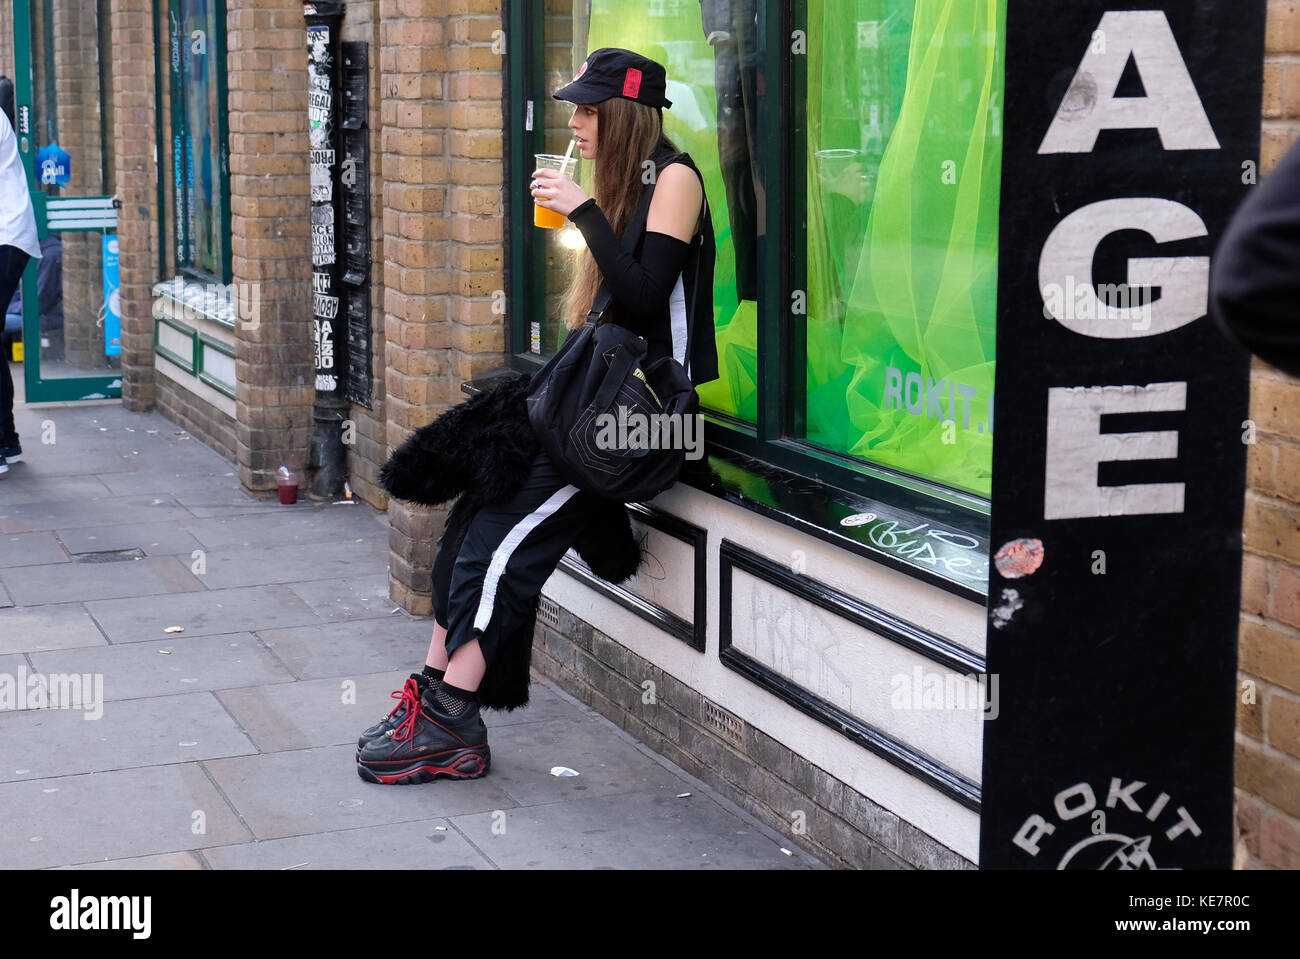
[(627, 134)]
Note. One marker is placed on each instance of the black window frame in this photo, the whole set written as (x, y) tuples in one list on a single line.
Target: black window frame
[(174, 50)]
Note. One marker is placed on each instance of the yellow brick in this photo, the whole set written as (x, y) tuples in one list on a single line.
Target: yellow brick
[(1282, 28), (1284, 723), (1254, 584), (1261, 459), (1275, 406), (1273, 90), (1272, 778), (1269, 654), (1250, 716)]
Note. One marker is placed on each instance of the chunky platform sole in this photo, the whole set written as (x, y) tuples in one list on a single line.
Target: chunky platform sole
[(469, 763)]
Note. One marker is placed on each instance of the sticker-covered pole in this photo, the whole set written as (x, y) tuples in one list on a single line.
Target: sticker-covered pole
[(330, 410), (1131, 134)]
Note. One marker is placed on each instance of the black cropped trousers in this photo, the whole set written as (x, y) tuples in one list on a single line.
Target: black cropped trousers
[(492, 561)]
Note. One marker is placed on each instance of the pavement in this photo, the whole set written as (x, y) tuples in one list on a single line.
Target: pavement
[(230, 742)]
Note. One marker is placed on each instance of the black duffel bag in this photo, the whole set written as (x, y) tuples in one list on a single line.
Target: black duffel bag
[(613, 424)]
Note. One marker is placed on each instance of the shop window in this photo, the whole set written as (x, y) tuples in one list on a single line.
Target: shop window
[(199, 193), (902, 166), (851, 154)]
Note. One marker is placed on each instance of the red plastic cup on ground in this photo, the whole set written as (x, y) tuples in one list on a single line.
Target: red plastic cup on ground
[(287, 483)]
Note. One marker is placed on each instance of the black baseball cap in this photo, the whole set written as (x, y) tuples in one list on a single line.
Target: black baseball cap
[(615, 72)]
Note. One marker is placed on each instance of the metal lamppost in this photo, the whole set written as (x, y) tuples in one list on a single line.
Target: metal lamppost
[(330, 409)]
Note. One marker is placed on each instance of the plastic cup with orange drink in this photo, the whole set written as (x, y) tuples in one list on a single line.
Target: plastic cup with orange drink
[(542, 217)]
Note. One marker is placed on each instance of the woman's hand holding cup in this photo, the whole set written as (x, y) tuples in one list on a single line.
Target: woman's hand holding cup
[(552, 190)]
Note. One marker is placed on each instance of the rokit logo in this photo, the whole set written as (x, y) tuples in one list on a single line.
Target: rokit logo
[(1126, 832)]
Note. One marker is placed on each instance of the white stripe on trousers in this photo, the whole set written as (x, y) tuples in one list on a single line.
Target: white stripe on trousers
[(488, 595)]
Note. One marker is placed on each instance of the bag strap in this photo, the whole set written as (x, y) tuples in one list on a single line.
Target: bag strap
[(571, 342), (619, 370), (630, 237)]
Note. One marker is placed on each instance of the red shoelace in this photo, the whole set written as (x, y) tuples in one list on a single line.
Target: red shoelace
[(408, 696)]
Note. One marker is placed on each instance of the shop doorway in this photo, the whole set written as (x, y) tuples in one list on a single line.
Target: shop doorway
[(68, 304)]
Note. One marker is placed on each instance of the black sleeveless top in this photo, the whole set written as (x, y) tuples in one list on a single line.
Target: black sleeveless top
[(691, 301)]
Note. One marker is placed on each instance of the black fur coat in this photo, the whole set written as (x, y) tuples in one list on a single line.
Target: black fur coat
[(480, 451)]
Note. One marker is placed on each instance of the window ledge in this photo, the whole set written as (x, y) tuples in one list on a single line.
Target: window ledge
[(949, 550), (211, 301)]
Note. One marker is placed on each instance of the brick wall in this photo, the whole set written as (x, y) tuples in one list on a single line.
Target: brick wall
[(1268, 729), (136, 175), (441, 154), (270, 227), (197, 416)]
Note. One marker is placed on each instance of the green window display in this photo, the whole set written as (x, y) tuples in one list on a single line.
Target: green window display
[(904, 159), (902, 163)]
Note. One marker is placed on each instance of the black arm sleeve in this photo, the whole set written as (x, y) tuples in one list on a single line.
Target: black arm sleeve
[(641, 287), (1255, 278)]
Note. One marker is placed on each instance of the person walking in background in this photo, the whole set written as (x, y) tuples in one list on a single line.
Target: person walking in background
[(18, 244)]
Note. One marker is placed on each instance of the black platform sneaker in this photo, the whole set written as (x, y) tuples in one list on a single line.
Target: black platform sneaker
[(408, 697), (425, 745)]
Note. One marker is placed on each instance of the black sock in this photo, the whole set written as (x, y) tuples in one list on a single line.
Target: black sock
[(434, 676), (454, 701)]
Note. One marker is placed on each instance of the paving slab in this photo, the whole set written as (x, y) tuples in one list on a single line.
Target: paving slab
[(31, 549), (60, 626), (322, 712), (166, 860), (202, 613), (70, 513), (134, 732), (113, 815), (301, 523), (175, 481), (89, 464), (408, 845), (176, 664), (153, 539), (215, 501), (5, 601), (399, 643), (641, 830), (80, 582), (28, 482), (523, 755), (325, 712), (285, 561), (357, 597), (10, 664), (306, 791)]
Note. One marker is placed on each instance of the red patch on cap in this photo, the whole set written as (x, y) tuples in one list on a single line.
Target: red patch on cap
[(631, 82), (581, 70)]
